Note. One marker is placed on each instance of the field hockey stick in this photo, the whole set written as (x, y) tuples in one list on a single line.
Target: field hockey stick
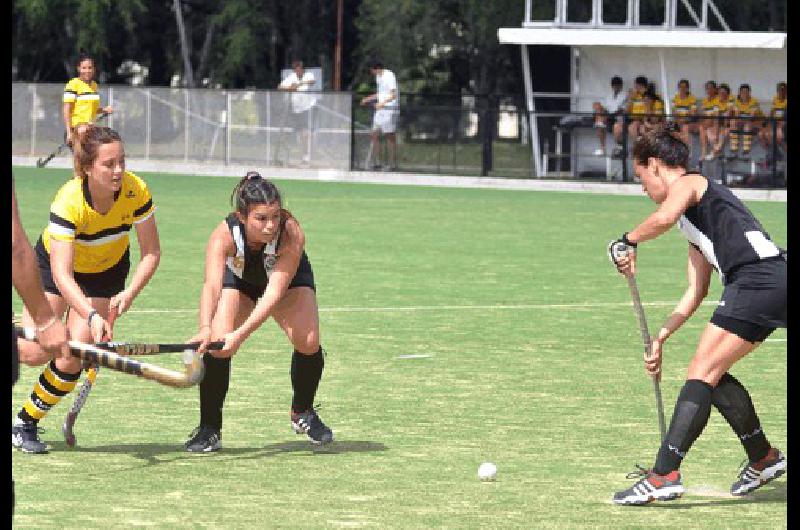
[(80, 400), (138, 348), (645, 332), (193, 363), (43, 161)]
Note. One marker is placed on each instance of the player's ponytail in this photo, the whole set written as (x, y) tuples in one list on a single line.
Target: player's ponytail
[(86, 141), (664, 143), (254, 189)]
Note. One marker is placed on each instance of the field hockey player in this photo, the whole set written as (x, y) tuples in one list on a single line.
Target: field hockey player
[(83, 259), (256, 268), (723, 235)]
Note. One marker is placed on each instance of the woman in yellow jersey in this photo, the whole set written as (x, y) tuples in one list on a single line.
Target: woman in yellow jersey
[(725, 106), (635, 111), (778, 115), (83, 258), (745, 112), (81, 100), (709, 125), (684, 109), (654, 106)]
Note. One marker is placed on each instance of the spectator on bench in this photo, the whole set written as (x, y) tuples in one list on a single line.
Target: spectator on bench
[(635, 110), (654, 107), (725, 106), (778, 112), (684, 109), (608, 113), (709, 126), (745, 110)]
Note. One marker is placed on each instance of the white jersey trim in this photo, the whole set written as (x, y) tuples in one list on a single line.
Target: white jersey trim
[(694, 235)]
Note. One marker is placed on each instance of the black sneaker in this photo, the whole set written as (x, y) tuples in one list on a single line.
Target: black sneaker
[(25, 437), (652, 487), (755, 474), (204, 439), (310, 424)]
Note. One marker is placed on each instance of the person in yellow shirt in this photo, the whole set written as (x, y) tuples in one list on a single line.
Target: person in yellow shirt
[(83, 259), (635, 111), (725, 106), (654, 107), (684, 110), (709, 125), (778, 114), (81, 100), (745, 111)]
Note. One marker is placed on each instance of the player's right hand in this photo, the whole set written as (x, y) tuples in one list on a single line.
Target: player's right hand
[(652, 364), (100, 329), (203, 337), (53, 340)]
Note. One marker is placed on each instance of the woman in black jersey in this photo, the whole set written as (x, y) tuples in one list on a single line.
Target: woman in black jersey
[(723, 235), (256, 268)]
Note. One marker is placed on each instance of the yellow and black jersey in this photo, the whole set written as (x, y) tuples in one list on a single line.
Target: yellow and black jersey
[(638, 106), (684, 106), (778, 107), (710, 106), (84, 97), (724, 106), (749, 108), (100, 239)]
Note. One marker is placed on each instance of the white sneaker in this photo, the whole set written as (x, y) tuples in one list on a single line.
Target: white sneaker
[(599, 152)]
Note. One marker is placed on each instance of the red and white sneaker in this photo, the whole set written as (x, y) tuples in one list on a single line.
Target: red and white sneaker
[(652, 487), (756, 474)]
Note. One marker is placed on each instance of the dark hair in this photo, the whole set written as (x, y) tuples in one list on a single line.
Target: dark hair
[(712, 83), (641, 80), (375, 62), (743, 86), (664, 143), (724, 86), (781, 85), (682, 81), (87, 141), (296, 62), (83, 55), (616, 81), (254, 189)]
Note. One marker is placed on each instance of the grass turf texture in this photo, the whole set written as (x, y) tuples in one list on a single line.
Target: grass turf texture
[(556, 396)]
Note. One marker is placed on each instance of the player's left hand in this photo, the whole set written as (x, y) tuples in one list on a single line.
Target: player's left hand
[(653, 363), (233, 341), (623, 256), (121, 301)]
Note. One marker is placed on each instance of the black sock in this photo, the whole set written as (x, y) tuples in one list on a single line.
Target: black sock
[(213, 389), (306, 372), (733, 402), (688, 421)]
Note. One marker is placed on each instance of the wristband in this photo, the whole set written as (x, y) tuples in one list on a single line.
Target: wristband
[(627, 241), (52, 321), (92, 313)]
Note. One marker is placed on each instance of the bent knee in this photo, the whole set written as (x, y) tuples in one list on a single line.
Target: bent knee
[(33, 355), (307, 344)]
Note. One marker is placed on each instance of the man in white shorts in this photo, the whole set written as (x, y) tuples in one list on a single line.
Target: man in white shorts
[(387, 110), (302, 104)]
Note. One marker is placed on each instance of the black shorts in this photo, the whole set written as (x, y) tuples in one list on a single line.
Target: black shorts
[(754, 300), (304, 277), (103, 284)]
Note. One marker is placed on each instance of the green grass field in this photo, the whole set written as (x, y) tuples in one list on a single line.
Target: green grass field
[(525, 352)]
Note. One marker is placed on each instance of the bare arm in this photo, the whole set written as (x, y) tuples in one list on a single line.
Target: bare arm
[(150, 247), (683, 193), (219, 246), (698, 273), (66, 111), (279, 280)]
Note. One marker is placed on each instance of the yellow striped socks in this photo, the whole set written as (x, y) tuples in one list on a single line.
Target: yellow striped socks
[(52, 385)]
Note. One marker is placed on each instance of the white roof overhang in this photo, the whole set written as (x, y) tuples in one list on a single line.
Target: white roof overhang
[(648, 38)]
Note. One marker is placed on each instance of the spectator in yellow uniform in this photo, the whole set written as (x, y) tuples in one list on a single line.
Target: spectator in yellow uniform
[(635, 111), (745, 111), (654, 107), (778, 114), (81, 100), (725, 106), (709, 125), (684, 110)]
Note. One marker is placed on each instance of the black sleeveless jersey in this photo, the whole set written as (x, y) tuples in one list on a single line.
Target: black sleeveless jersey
[(252, 266), (725, 231)]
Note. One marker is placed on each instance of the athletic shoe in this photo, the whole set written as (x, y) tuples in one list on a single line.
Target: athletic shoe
[(204, 439), (652, 487), (310, 424), (599, 152), (709, 156), (25, 437), (755, 474)]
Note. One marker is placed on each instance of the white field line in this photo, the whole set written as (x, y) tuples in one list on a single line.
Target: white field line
[(578, 305)]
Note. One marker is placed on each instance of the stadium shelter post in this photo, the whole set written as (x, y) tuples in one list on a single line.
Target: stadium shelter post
[(486, 158), (774, 125)]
